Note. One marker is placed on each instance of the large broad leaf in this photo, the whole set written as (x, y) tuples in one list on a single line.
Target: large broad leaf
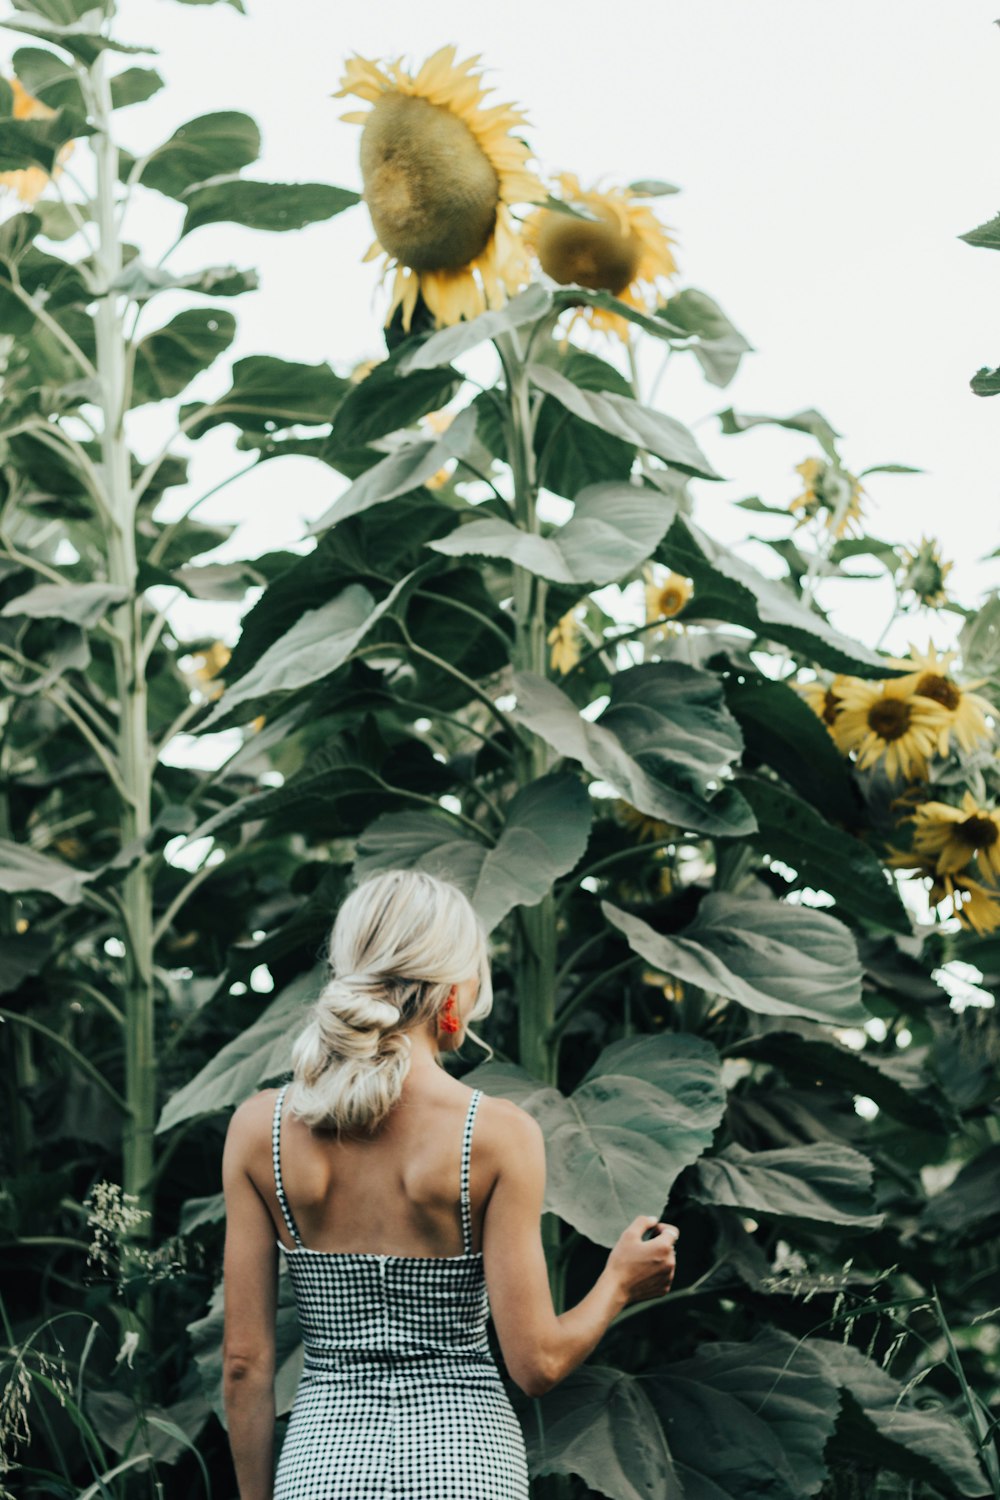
[(884, 1428), (404, 470), (275, 206), (571, 454), (768, 955), (259, 1054), (970, 1205), (626, 419), (37, 143), (718, 346), (204, 147), (826, 1182), (318, 643), (662, 739), (747, 1421), (82, 603), (275, 391), (23, 869), (387, 400), (441, 348), (141, 281), (169, 358), (810, 421), (647, 1109), (599, 1423), (823, 856), (727, 588), (545, 834), (614, 528), (205, 1335)]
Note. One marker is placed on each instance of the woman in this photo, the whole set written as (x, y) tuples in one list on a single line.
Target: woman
[(361, 1173)]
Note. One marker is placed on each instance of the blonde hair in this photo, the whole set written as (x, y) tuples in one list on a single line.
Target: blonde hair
[(400, 941)]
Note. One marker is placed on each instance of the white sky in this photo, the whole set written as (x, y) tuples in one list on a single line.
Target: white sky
[(829, 151)]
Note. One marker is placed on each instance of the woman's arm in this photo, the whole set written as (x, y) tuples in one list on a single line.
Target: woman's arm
[(250, 1296), (541, 1347)]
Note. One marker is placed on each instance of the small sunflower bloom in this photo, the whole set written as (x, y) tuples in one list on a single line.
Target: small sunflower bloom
[(967, 714), (441, 172), (832, 492), (884, 721), (973, 904), (645, 828), (823, 698), (612, 242), (923, 574), (667, 598), (564, 638), (209, 663), (29, 183), (952, 837)]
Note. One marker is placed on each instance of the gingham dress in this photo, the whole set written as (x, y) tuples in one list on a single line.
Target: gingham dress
[(400, 1397)]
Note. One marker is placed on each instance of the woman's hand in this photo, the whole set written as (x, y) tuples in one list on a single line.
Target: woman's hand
[(644, 1268)]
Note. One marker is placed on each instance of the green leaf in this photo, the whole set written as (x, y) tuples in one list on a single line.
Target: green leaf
[(37, 143), (720, 346), (257, 1055), (23, 869), (447, 344), (626, 419), (207, 146), (727, 588), (600, 1424), (58, 12), (985, 382), (544, 835), (49, 79), (318, 643), (663, 738), (55, 220), (824, 1181), (747, 1421), (236, 4), (75, 37), (386, 400), (823, 856), (272, 393), (22, 956), (134, 86), (770, 956), (646, 1110), (141, 281), (614, 528), (890, 469), (167, 360), (810, 421), (404, 470), (884, 1427), (985, 235), (274, 206), (82, 603), (571, 454), (970, 1205), (651, 187)]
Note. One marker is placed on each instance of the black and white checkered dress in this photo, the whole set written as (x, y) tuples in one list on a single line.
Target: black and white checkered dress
[(400, 1397)]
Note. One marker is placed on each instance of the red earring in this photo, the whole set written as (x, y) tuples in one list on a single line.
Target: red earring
[(449, 1020)]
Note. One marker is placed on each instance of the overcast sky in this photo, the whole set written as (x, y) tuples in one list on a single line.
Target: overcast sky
[(829, 152)]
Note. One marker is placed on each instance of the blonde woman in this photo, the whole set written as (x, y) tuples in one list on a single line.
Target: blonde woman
[(400, 1239)]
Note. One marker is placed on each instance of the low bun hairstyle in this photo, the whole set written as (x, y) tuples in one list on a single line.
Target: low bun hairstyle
[(400, 941)]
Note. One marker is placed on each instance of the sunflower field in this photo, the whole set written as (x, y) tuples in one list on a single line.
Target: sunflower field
[(732, 860)]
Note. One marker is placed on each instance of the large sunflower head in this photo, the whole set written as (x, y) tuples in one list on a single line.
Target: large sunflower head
[(966, 713), (440, 172), (952, 837), (29, 183), (888, 722), (610, 242), (830, 492)]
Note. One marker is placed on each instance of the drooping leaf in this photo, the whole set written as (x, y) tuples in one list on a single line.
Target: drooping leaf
[(37, 143), (824, 1181), (273, 206), (613, 528), (544, 835), (767, 955), (970, 1205), (570, 454), (810, 421), (82, 603), (746, 1421), (662, 739), (404, 470), (985, 235), (719, 346), (168, 359), (267, 390), (387, 400), (24, 869), (48, 78), (208, 146), (645, 1110), (447, 344), (600, 1424), (141, 281), (53, 22), (823, 856), (626, 419)]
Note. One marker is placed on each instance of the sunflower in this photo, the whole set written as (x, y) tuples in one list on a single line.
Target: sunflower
[(612, 242), (832, 489), (210, 663), (888, 720), (975, 905), (823, 698), (923, 574), (668, 598), (966, 713), (564, 638), (440, 173), (29, 183), (954, 836), (645, 828)]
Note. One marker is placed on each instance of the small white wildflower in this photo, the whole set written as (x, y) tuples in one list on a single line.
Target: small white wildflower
[(128, 1348)]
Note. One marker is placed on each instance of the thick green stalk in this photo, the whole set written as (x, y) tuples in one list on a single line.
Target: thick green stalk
[(134, 751)]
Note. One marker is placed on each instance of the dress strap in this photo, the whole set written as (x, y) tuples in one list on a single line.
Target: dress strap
[(477, 1094), (276, 1148)]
